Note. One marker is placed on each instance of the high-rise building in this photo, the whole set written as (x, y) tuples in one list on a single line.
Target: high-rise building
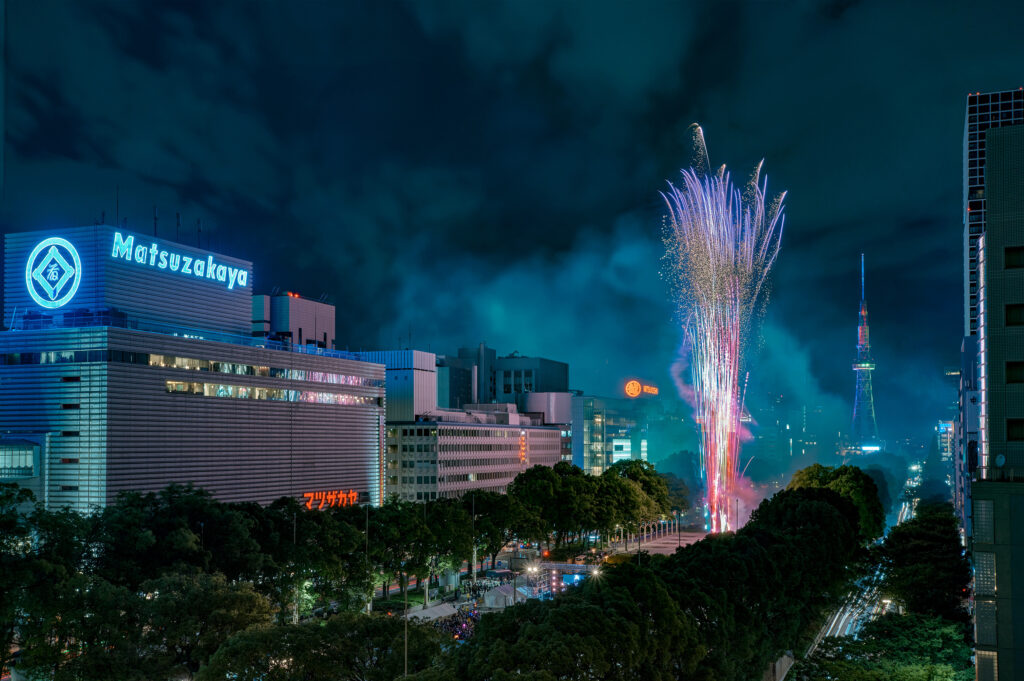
[(129, 364), (985, 112), (994, 316), (865, 429)]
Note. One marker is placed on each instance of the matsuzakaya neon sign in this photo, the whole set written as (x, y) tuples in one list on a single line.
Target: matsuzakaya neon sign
[(162, 259), (331, 498)]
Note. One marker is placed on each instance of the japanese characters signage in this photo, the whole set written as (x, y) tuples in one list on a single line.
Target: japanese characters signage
[(330, 498)]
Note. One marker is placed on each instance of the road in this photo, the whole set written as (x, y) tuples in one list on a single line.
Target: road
[(865, 602)]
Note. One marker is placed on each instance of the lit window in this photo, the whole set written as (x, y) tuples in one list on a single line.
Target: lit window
[(985, 622), (984, 573), (983, 521)]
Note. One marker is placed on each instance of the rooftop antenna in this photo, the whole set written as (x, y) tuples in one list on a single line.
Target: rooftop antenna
[(3, 93), (862, 277)]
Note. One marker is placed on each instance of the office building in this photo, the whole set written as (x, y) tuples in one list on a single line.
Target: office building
[(479, 376), (607, 430), (985, 113), (129, 363), (437, 452), (994, 316)]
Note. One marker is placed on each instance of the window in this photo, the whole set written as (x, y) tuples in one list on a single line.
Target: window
[(983, 521), (988, 665), (69, 488), (1015, 372), (69, 433), (70, 379), (984, 573), (1015, 314), (1014, 257), (985, 622), (70, 406), (69, 460), (1015, 430)]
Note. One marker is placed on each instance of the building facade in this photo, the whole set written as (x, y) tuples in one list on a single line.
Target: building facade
[(607, 430), (130, 361), (994, 317), (436, 452)]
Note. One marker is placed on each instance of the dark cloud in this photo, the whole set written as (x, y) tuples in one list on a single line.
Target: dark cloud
[(489, 171)]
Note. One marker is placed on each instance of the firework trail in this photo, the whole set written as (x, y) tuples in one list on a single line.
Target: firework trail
[(720, 246)]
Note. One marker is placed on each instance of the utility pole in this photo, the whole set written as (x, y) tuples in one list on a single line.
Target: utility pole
[(406, 590), (295, 601), (366, 536), (473, 566)]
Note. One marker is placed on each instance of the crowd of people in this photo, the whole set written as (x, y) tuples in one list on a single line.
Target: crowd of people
[(459, 625)]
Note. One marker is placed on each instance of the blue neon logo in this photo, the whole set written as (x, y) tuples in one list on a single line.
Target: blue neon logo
[(53, 273), (206, 269)]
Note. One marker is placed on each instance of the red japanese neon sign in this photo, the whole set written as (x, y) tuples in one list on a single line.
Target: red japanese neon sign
[(331, 498)]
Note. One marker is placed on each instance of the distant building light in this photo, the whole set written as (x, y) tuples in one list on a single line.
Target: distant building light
[(870, 448)]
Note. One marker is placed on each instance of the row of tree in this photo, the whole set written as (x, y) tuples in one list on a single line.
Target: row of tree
[(926, 574), (720, 609), (151, 585)]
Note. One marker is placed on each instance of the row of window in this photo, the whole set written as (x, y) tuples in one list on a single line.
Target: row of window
[(172, 362), (167, 361), (476, 477), (419, 479), (411, 464), (462, 463), (413, 432), (408, 449), (244, 392)]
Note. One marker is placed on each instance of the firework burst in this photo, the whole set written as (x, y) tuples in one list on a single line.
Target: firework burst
[(720, 246)]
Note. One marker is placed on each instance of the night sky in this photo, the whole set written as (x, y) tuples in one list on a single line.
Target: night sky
[(461, 172)]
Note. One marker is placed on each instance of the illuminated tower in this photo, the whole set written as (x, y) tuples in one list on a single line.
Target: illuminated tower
[(865, 430)]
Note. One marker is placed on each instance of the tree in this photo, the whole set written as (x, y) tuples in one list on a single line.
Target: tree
[(142, 536), (190, 616), (496, 517), (536, 490), (14, 554), (347, 647), (905, 647), (678, 492), (852, 483), (651, 482), (450, 530), (623, 625), (925, 567), (399, 541), (91, 629)]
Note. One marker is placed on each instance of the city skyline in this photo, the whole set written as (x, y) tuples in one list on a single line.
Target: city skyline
[(436, 186)]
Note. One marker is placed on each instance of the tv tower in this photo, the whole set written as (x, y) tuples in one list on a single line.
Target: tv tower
[(865, 430)]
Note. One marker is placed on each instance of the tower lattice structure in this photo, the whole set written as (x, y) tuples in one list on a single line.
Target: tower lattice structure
[(865, 429)]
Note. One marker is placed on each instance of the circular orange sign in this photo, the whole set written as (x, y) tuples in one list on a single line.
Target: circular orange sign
[(633, 389)]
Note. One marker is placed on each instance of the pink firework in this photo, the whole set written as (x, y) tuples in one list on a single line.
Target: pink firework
[(721, 244)]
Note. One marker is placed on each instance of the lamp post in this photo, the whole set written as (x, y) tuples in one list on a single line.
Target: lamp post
[(406, 591)]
